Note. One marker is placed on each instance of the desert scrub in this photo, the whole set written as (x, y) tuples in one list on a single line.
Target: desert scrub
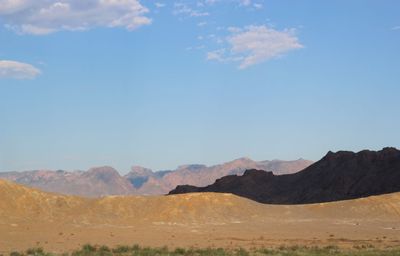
[(324, 251), (37, 252), (136, 250)]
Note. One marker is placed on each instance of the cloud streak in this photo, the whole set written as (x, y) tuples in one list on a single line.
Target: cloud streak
[(185, 9), (17, 70), (46, 16), (201, 8), (255, 44), (212, 2)]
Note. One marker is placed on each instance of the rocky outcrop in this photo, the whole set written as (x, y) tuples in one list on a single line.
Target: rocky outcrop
[(337, 176)]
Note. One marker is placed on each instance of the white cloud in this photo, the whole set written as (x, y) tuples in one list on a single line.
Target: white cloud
[(255, 44), (41, 17), (258, 6), (245, 2), (396, 28), (201, 24), (17, 70), (182, 8), (202, 8), (217, 55), (159, 5), (212, 2)]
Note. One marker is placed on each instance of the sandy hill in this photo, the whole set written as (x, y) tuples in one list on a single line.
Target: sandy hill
[(29, 217), (19, 203)]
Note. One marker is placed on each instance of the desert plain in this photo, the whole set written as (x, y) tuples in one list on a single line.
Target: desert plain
[(58, 223)]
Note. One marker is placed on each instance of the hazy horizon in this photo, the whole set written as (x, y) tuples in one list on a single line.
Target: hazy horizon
[(125, 170), (166, 83)]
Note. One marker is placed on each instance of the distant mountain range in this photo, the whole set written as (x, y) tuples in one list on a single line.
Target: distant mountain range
[(337, 176), (102, 181)]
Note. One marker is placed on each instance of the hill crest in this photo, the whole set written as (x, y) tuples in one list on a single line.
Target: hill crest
[(337, 176)]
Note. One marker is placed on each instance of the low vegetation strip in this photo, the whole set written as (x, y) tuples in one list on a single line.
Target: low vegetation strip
[(136, 250)]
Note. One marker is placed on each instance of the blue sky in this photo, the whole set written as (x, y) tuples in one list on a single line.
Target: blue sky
[(165, 83)]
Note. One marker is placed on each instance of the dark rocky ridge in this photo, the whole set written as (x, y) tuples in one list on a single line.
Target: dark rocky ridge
[(337, 176)]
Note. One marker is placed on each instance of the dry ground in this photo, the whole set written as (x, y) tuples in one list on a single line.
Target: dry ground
[(31, 218)]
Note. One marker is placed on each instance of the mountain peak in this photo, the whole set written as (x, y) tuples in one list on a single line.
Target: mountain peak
[(103, 169), (339, 154), (390, 150), (385, 152), (255, 172), (240, 161), (103, 173), (244, 159), (192, 167), (140, 171)]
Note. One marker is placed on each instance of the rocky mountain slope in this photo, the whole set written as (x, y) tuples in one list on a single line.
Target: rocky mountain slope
[(95, 182), (202, 175), (101, 181), (337, 176)]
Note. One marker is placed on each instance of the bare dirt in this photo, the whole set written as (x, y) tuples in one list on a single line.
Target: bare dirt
[(58, 223)]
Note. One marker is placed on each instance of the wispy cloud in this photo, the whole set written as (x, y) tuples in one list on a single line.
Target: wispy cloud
[(202, 8), (44, 17), (255, 44), (201, 24), (395, 28), (17, 70), (217, 55), (159, 5), (212, 2), (258, 6), (245, 2), (185, 9)]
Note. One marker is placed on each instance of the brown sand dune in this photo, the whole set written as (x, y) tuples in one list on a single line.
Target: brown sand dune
[(29, 218)]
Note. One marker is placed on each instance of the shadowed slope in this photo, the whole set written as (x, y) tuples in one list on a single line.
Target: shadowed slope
[(337, 176)]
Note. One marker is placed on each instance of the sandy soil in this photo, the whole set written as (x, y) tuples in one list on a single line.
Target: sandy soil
[(31, 218)]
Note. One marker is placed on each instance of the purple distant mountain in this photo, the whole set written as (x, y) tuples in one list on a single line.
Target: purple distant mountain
[(102, 181)]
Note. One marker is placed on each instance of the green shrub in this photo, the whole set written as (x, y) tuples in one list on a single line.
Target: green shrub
[(88, 248), (104, 251), (242, 252), (16, 254), (36, 252), (136, 250), (135, 247), (121, 249), (180, 251)]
